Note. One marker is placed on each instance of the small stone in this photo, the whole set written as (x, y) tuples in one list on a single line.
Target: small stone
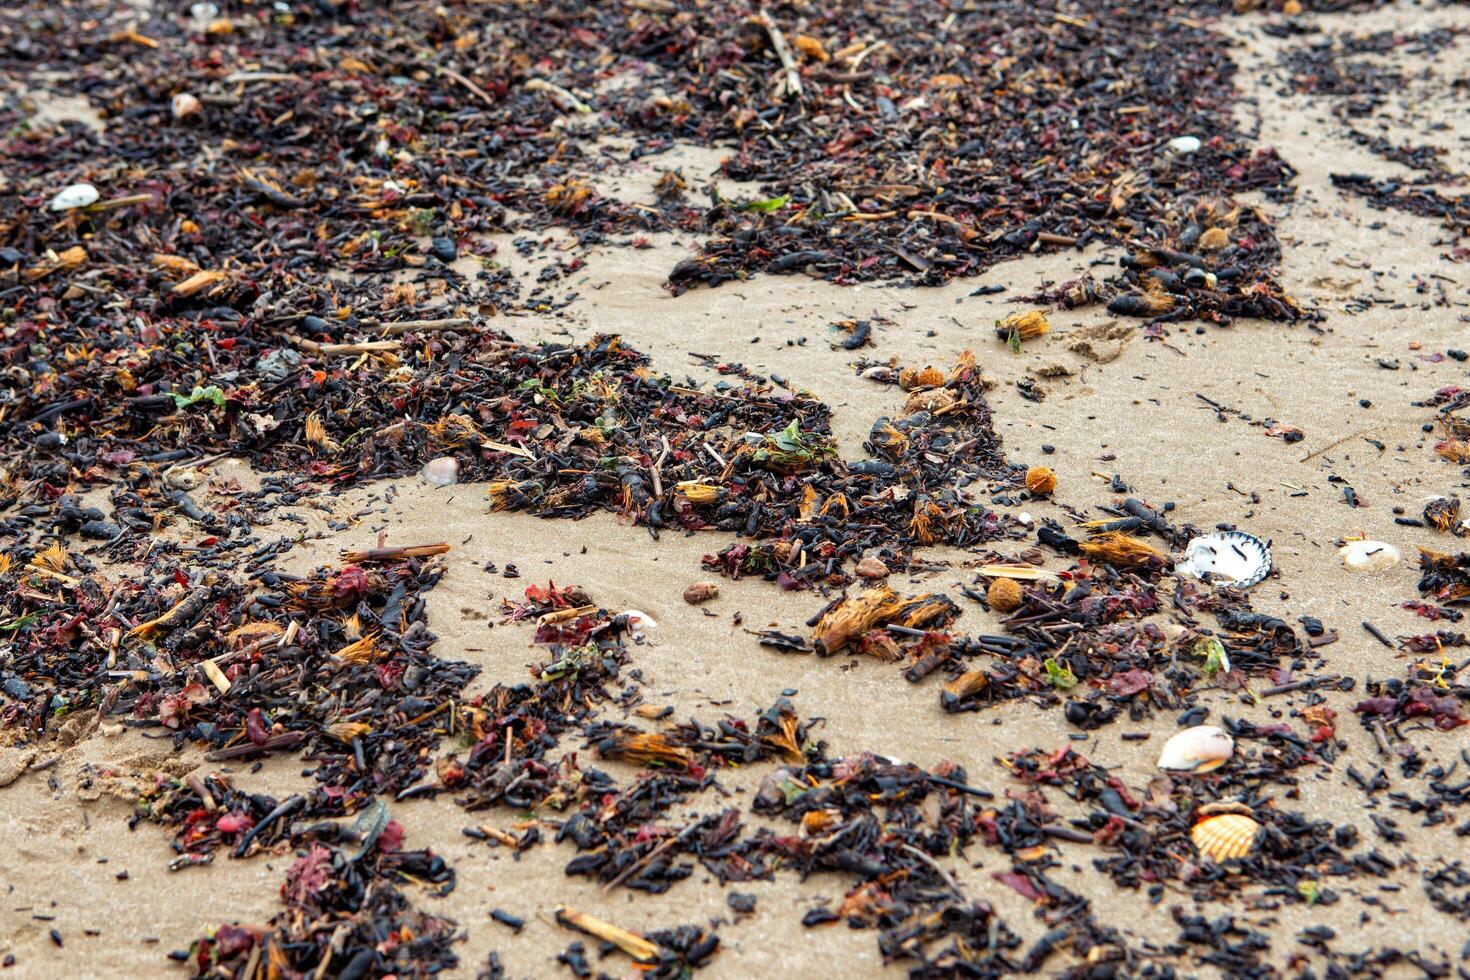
[(443, 249), (871, 568), (1185, 144), (701, 592)]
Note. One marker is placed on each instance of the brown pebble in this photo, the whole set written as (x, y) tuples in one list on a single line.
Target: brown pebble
[(701, 592), (871, 568)]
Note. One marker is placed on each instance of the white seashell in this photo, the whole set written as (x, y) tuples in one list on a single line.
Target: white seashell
[(1369, 556), (442, 471), (1200, 749), (185, 105), (638, 621), (1184, 144), (1025, 517), (1232, 557), (203, 11), (75, 196)]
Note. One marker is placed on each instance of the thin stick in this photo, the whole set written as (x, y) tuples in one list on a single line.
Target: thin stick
[(474, 89), (394, 553), (559, 95), (953, 886), (778, 43), (658, 465), (405, 326), (644, 861), (368, 347)]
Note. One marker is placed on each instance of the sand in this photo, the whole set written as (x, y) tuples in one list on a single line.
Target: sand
[(1115, 402)]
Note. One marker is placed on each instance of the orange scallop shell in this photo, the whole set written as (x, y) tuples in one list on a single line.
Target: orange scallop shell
[(1227, 836)]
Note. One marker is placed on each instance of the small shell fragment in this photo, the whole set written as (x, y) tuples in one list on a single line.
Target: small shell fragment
[(442, 471), (1369, 556), (185, 479), (1225, 837), (638, 621), (1185, 144), (185, 105), (1234, 558), (1201, 749), (74, 196)]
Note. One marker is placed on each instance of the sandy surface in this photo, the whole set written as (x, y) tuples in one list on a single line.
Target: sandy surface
[(1130, 407)]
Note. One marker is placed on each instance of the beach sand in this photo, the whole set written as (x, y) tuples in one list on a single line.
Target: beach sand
[(1115, 403)]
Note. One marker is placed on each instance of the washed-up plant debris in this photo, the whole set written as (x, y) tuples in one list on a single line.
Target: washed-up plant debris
[(253, 151), (1367, 95), (279, 241)]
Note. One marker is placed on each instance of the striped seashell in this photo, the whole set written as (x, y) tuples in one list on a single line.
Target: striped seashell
[(1225, 837), (1200, 749)]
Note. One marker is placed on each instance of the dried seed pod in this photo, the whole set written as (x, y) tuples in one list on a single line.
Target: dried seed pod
[(878, 606), (1022, 326), (1454, 450), (1141, 304), (346, 731), (1225, 837), (643, 748), (1198, 750), (911, 378), (1368, 556), (1214, 239), (1041, 480), (1122, 550), (697, 492), (701, 592), (810, 46), (1440, 512), (930, 400), (1004, 595), (970, 683)]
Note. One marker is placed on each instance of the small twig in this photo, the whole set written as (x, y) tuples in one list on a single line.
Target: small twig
[(953, 885), (474, 89), (407, 326), (644, 861), (367, 347), (778, 43), (394, 553), (558, 95), (658, 465)]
